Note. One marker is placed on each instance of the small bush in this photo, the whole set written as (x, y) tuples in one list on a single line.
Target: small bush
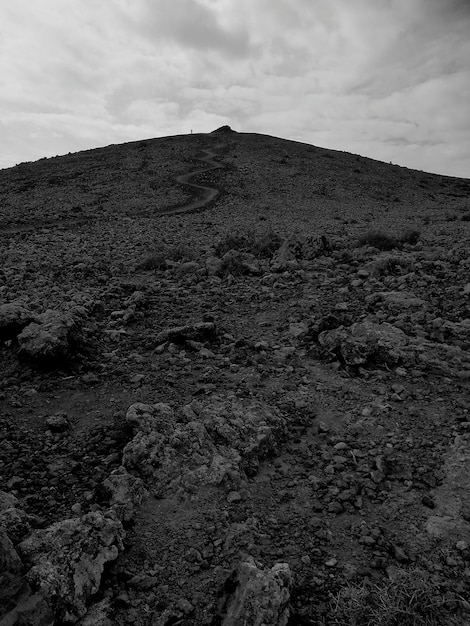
[(378, 240), (409, 599), (383, 241), (261, 245), (410, 236), (465, 217)]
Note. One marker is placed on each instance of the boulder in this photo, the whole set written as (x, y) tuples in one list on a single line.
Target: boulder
[(256, 597), (224, 443), (50, 338), (68, 559), (365, 343), (14, 316)]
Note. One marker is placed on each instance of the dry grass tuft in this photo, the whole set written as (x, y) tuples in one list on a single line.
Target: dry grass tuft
[(411, 598), (261, 245)]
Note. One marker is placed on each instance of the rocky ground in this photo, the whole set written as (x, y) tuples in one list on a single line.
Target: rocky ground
[(256, 412)]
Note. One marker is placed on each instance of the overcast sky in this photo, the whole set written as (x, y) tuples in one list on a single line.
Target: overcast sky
[(388, 79)]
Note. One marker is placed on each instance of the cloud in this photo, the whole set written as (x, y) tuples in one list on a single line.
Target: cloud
[(192, 25), (388, 79)]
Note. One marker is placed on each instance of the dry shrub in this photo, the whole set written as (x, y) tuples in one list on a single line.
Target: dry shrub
[(411, 598), (156, 260), (261, 245), (384, 241)]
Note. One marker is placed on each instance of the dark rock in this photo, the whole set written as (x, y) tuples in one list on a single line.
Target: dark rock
[(14, 316)]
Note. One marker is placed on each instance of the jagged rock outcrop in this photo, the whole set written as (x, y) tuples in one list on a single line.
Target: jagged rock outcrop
[(257, 597), (51, 337), (68, 559), (367, 343), (216, 444)]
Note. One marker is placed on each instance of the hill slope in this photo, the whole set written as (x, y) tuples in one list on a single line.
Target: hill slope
[(254, 409)]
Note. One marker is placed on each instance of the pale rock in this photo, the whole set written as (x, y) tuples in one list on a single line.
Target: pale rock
[(58, 422), (260, 597), (365, 342), (50, 337), (126, 493), (200, 331), (226, 440), (68, 560)]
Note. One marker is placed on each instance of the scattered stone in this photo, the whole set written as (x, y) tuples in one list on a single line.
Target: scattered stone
[(57, 423)]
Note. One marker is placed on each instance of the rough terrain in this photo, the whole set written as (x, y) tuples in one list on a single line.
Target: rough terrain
[(220, 405)]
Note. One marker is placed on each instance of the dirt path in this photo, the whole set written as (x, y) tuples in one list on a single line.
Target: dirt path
[(203, 195)]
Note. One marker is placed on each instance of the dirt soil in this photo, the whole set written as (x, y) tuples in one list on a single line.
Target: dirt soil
[(371, 475)]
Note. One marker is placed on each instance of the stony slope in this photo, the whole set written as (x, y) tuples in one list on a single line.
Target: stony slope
[(307, 407)]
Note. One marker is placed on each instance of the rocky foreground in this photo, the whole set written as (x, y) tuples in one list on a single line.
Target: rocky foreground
[(269, 428)]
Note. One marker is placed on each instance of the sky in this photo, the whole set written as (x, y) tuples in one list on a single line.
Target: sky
[(387, 79)]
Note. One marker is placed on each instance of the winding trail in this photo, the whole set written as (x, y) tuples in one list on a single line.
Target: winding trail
[(203, 195)]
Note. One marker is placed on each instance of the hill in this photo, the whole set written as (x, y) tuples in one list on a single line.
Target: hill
[(234, 380)]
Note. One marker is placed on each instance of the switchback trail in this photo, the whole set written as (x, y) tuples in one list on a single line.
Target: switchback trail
[(203, 193)]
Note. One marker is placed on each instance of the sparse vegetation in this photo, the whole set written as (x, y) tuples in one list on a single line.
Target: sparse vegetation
[(384, 241), (156, 260), (379, 240), (261, 245), (410, 236), (411, 598)]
